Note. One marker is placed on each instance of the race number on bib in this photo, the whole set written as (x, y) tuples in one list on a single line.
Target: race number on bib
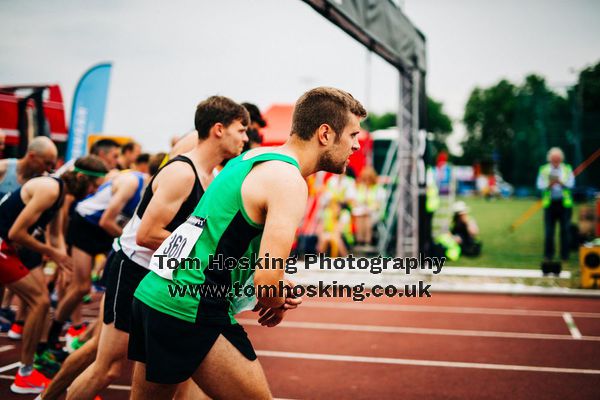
[(177, 246)]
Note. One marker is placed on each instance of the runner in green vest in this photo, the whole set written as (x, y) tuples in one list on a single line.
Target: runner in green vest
[(555, 180), (180, 329)]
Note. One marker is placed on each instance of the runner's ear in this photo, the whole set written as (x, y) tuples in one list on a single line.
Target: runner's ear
[(218, 129), (324, 134)]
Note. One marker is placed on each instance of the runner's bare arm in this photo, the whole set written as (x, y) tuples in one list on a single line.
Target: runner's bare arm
[(171, 188), (285, 194), (55, 233), (64, 211), (43, 192), (124, 187)]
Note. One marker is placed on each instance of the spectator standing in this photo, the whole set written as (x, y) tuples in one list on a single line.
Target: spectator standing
[(555, 180)]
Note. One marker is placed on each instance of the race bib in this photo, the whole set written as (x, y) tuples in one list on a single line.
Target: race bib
[(177, 246)]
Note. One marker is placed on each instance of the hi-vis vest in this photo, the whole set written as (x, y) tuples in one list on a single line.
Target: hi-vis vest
[(343, 218), (367, 196), (565, 171), (432, 196), (452, 248)]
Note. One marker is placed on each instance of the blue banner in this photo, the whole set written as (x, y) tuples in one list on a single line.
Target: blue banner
[(89, 104)]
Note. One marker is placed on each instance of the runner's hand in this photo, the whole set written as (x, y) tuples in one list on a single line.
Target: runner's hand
[(271, 317), (291, 303), (62, 259)]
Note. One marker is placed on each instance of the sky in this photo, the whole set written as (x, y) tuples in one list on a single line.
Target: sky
[(168, 56)]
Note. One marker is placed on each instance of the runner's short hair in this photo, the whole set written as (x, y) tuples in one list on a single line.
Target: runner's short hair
[(103, 145), (127, 147), (324, 105), (143, 158), (217, 109)]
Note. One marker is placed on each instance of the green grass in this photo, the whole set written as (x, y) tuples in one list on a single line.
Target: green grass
[(522, 248)]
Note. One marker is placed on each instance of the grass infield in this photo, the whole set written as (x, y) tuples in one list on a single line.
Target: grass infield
[(522, 248)]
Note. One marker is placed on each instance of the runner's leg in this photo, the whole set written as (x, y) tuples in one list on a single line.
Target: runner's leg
[(188, 390), (110, 362), (80, 285), (35, 296), (226, 374), (75, 364), (141, 389)]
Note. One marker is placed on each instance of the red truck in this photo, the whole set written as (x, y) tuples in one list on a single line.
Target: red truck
[(27, 111)]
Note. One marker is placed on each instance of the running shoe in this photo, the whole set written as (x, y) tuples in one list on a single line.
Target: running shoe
[(73, 332), (46, 365), (54, 355), (75, 344), (33, 383), (16, 331), (48, 370)]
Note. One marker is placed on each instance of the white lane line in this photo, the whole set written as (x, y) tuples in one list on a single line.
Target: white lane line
[(571, 325), (421, 331), (423, 363), (10, 366), (6, 348), (446, 309)]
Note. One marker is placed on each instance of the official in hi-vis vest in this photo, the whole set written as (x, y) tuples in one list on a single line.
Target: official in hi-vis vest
[(555, 180)]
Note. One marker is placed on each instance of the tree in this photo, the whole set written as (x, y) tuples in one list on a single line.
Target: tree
[(439, 124), (585, 99), (542, 120), (375, 122), (489, 118), (514, 126)]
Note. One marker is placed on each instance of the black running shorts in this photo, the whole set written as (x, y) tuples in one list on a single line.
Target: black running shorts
[(122, 278), (172, 348), (87, 236), (30, 258)]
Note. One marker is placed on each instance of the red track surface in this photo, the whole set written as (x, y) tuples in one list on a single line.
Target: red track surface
[(449, 346)]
